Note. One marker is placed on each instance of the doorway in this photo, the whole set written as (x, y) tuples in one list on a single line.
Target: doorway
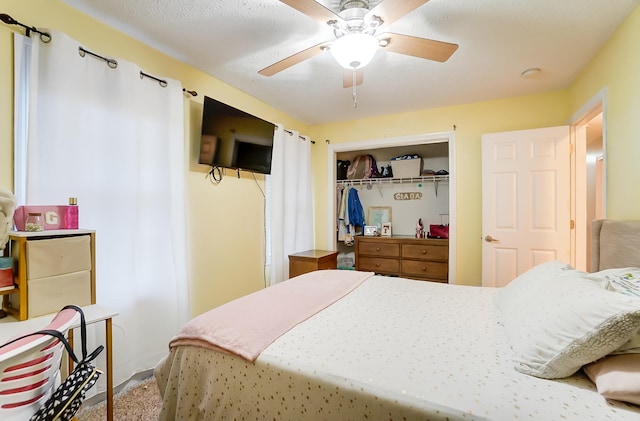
[(588, 181), (386, 143)]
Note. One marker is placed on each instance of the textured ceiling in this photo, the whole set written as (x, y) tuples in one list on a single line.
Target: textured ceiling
[(498, 39)]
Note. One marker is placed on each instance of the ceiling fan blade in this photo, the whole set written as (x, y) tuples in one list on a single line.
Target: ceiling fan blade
[(347, 78), (294, 59), (313, 9), (391, 10), (418, 47)]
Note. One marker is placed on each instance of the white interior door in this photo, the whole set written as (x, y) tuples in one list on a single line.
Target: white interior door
[(525, 201)]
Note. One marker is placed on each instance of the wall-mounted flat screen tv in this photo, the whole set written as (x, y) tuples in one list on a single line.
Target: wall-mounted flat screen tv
[(232, 138)]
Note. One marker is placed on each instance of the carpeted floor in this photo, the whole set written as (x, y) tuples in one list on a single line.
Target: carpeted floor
[(138, 402)]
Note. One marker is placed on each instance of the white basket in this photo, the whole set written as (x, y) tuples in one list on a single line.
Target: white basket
[(406, 168)]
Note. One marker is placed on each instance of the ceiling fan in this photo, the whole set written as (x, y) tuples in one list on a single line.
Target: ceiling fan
[(357, 38)]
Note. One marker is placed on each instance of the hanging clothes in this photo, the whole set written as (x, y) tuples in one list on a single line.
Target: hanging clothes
[(354, 209), (355, 214), (341, 201), (350, 214)]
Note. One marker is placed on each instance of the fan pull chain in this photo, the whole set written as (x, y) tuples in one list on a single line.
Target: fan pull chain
[(354, 94)]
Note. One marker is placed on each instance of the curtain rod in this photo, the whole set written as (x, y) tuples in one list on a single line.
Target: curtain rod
[(44, 36), (163, 83), (313, 142), (112, 63)]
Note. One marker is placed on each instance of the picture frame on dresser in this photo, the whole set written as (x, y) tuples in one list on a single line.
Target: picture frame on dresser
[(377, 215), (386, 229), (370, 230)]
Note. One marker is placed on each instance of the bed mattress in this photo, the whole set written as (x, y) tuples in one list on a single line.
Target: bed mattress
[(394, 349)]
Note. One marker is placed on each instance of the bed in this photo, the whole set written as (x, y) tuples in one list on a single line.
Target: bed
[(399, 349)]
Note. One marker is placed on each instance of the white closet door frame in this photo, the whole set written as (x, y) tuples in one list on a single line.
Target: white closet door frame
[(420, 139)]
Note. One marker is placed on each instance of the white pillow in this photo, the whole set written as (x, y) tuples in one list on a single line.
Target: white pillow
[(557, 319)]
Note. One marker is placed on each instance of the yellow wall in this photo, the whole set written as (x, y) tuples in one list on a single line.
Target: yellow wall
[(225, 221), (226, 237)]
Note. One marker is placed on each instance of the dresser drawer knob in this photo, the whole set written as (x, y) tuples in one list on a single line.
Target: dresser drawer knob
[(377, 264), (424, 251), (377, 248), (424, 269)]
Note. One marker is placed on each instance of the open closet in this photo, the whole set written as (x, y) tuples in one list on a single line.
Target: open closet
[(414, 201)]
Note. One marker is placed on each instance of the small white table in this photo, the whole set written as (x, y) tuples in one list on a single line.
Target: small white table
[(10, 327)]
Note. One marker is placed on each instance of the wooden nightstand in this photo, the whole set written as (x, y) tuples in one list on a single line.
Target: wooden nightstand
[(310, 260)]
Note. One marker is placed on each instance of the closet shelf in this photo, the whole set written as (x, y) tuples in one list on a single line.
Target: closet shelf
[(382, 181)]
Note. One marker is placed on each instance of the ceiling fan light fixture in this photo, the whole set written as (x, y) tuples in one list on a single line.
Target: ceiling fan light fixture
[(354, 51)]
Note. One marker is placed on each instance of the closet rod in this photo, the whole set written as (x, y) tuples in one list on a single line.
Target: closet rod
[(313, 142), (44, 36)]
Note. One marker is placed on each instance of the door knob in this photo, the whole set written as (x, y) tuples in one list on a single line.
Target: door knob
[(490, 239)]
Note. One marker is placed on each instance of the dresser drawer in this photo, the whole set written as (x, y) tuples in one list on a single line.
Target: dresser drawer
[(50, 294), (57, 256), (436, 270), (379, 265), (424, 251), (379, 249)]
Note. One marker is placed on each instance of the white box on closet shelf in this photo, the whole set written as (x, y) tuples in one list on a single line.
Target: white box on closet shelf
[(406, 168)]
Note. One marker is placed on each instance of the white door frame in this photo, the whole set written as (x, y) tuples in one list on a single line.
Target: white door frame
[(578, 122), (419, 139)]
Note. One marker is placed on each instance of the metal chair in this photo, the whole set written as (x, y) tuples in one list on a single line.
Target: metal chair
[(30, 369)]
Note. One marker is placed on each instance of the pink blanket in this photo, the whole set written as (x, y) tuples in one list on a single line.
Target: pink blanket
[(248, 325)]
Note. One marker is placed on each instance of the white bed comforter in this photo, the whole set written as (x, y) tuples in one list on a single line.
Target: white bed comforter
[(393, 349)]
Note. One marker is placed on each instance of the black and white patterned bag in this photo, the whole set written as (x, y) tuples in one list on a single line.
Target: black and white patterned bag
[(67, 398)]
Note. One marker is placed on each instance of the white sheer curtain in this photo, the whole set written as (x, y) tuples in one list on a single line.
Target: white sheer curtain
[(291, 211), (21, 68), (115, 141)]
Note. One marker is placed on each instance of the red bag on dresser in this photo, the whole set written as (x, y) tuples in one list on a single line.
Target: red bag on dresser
[(438, 231)]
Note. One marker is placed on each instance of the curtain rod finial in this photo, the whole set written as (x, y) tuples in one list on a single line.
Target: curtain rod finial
[(192, 93), (7, 19)]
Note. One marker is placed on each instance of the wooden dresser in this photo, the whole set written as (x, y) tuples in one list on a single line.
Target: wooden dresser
[(414, 258)]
